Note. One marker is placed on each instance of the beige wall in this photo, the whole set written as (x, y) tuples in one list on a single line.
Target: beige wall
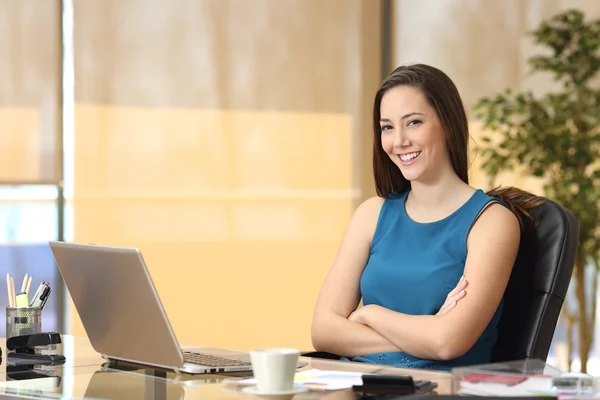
[(481, 44), (483, 47), (225, 140)]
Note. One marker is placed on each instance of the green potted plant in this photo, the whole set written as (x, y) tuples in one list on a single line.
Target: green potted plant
[(556, 137)]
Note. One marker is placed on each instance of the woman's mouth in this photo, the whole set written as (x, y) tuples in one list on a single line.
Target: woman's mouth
[(408, 158)]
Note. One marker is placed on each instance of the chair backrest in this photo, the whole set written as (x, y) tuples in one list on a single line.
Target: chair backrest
[(538, 285)]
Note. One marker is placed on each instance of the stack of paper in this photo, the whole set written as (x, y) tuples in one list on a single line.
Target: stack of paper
[(528, 386), (318, 380), (328, 380)]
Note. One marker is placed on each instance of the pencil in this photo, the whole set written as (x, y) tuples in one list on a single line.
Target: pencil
[(13, 301), (28, 285), (8, 290), (24, 285)]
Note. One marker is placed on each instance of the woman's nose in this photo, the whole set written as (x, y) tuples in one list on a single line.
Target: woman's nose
[(400, 139)]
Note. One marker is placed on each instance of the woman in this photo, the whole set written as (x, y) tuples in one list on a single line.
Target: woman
[(410, 252)]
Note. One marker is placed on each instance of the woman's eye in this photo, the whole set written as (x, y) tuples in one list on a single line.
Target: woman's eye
[(386, 128), (413, 122)]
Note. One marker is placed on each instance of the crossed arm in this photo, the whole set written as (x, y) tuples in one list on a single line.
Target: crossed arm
[(339, 327)]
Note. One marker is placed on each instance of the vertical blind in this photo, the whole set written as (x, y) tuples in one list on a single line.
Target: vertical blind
[(224, 139), (30, 71)]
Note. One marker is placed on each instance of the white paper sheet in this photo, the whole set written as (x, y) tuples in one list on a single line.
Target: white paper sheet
[(317, 379), (532, 386)]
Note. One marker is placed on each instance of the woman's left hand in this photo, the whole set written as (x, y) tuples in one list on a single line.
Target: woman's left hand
[(454, 296)]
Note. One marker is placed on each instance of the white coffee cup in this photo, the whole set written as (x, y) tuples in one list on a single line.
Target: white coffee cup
[(274, 369)]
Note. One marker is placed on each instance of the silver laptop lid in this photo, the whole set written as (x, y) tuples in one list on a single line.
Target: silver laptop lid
[(118, 303)]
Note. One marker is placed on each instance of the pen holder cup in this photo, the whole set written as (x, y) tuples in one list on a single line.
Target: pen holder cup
[(23, 321)]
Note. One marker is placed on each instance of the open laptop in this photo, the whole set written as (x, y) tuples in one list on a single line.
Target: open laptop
[(123, 315)]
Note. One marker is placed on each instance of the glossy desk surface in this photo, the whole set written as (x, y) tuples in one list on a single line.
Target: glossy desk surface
[(86, 375)]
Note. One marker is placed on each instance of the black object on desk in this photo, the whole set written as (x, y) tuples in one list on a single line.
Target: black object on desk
[(393, 385), (28, 347), (31, 341), (434, 396), (459, 397)]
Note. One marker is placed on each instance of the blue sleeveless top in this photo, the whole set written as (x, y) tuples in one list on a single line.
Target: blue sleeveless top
[(413, 266)]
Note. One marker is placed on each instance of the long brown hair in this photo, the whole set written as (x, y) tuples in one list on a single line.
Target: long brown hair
[(443, 96)]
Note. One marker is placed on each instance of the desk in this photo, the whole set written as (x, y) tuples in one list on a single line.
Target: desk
[(85, 375)]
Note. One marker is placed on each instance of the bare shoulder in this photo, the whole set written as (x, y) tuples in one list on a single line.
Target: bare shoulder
[(366, 216), (368, 211), (370, 206), (498, 216), (497, 222)]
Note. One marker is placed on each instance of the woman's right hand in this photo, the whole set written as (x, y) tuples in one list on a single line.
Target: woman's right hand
[(454, 296)]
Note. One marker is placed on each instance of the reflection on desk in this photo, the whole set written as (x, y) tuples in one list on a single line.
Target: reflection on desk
[(173, 377), (85, 374), (24, 376), (120, 386)]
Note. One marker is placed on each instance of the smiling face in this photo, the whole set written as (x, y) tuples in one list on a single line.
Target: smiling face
[(412, 135)]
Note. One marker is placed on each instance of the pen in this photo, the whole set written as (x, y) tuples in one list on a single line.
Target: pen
[(37, 293), (41, 300), (36, 297), (45, 299)]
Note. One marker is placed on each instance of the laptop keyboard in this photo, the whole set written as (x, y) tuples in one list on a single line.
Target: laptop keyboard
[(211, 360)]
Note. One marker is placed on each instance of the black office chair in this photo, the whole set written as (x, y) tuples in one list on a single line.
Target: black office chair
[(537, 287)]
